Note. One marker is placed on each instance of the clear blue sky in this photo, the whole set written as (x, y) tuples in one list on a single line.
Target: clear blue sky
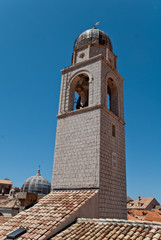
[(36, 42)]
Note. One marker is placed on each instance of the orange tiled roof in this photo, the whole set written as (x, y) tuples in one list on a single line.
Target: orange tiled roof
[(109, 229), (5, 181), (129, 199), (141, 203), (50, 213), (4, 219), (153, 216), (132, 217), (144, 215)]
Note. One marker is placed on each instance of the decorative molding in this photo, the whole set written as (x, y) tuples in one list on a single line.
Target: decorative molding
[(100, 56), (86, 109)]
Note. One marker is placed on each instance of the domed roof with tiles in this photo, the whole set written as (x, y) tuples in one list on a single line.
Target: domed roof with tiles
[(36, 184), (93, 36)]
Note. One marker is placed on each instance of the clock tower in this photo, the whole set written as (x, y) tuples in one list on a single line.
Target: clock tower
[(90, 138)]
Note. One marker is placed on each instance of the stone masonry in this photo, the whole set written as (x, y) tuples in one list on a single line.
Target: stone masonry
[(90, 142)]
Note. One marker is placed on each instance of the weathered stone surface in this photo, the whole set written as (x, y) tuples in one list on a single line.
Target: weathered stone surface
[(87, 155)]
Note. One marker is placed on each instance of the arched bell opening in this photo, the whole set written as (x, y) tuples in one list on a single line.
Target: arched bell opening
[(112, 96), (79, 92)]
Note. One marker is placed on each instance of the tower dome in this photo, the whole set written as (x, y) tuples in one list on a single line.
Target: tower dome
[(94, 36), (36, 184)]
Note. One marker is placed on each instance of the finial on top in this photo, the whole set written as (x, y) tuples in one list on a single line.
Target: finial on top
[(96, 24), (38, 171)]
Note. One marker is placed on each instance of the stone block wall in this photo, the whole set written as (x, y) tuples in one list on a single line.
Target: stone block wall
[(83, 158), (93, 69), (77, 149), (112, 194), (97, 50), (85, 148), (82, 55), (106, 73)]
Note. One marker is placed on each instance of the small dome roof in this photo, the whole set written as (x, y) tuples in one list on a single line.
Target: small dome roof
[(94, 36), (36, 184)]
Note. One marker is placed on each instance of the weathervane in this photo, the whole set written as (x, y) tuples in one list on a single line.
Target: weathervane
[(96, 24)]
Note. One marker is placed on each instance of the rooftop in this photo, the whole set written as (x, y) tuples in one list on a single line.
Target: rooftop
[(144, 215), (53, 212), (110, 229), (4, 219), (142, 203), (5, 181), (9, 203), (54, 217), (93, 36)]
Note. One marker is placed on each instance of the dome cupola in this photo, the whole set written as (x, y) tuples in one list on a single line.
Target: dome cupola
[(36, 184), (93, 36), (93, 43)]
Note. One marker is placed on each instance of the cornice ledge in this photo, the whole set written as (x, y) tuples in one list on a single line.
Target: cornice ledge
[(78, 111), (100, 56), (82, 110)]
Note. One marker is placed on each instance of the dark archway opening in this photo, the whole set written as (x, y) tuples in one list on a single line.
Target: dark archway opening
[(81, 91), (112, 96)]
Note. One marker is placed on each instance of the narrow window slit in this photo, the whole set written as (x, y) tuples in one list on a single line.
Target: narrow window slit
[(113, 130)]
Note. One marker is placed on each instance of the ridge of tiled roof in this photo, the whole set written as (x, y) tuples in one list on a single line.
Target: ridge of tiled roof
[(52, 213), (113, 229), (129, 199), (113, 220)]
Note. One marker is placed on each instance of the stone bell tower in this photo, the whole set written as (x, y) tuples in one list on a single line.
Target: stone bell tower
[(90, 138)]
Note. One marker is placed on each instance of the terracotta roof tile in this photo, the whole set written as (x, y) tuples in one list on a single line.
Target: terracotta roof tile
[(45, 216), (144, 215), (110, 229), (4, 219), (142, 203)]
